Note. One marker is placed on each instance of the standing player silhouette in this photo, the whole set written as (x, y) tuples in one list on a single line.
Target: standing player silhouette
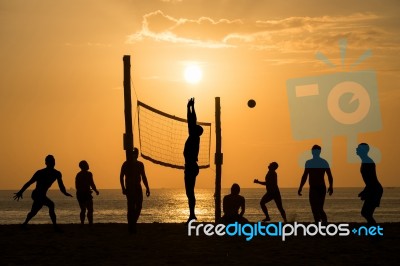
[(372, 193), (316, 168), (84, 184), (134, 173), (44, 178), (191, 153)]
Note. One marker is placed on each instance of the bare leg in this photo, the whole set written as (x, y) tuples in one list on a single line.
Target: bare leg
[(89, 204), (52, 213), (264, 200), (317, 200), (36, 206), (278, 201), (367, 212), (190, 182), (82, 205)]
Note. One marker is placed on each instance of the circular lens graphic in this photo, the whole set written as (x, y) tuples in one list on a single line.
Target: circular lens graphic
[(359, 93)]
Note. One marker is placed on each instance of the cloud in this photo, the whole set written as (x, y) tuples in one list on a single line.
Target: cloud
[(312, 23), (307, 33), (291, 34), (203, 32)]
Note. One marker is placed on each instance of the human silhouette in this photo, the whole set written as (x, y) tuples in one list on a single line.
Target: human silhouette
[(372, 193), (273, 193), (84, 184), (231, 205), (191, 153), (134, 172), (44, 178), (315, 169)]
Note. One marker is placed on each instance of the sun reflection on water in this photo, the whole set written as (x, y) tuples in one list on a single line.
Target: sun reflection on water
[(171, 206)]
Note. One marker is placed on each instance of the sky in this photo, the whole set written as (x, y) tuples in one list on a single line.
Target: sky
[(61, 86)]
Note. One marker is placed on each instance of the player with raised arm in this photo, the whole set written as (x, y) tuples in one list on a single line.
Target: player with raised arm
[(191, 152)]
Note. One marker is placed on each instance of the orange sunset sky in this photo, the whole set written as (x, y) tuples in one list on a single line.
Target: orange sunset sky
[(61, 86)]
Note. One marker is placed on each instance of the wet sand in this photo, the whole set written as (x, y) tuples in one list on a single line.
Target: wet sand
[(169, 244)]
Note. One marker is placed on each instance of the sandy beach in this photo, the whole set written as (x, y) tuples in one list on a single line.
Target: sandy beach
[(169, 244)]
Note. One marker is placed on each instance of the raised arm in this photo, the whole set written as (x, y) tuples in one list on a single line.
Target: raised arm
[(191, 117), (303, 180)]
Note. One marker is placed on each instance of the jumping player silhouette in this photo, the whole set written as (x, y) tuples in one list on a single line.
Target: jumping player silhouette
[(191, 152)]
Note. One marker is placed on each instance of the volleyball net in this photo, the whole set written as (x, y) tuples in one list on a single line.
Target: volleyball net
[(162, 138)]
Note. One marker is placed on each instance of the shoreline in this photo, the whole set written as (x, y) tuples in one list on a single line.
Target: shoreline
[(169, 243)]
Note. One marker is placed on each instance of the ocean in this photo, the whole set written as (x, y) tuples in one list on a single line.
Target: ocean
[(170, 206)]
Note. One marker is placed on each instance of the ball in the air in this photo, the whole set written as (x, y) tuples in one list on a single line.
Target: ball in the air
[(251, 103)]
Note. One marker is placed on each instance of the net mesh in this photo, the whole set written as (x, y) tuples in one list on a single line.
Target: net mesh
[(162, 138)]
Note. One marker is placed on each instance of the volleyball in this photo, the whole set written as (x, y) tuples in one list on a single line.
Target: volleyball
[(251, 103)]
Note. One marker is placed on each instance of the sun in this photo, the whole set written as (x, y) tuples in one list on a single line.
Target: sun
[(193, 73)]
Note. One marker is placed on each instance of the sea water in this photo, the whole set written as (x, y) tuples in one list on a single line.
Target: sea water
[(170, 206)]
